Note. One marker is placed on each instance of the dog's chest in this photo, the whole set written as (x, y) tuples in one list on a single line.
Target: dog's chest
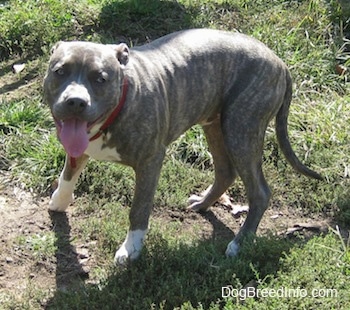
[(99, 150)]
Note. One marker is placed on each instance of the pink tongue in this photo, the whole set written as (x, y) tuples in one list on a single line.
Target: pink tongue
[(73, 136)]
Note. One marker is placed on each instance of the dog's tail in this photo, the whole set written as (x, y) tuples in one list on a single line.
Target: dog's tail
[(282, 134)]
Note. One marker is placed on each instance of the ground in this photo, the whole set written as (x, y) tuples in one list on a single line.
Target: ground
[(23, 216)]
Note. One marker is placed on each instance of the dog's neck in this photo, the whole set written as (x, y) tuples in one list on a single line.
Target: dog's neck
[(110, 118)]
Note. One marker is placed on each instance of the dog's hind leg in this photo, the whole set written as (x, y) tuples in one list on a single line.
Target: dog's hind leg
[(245, 146), (63, 195), (258, 194), (225, 172)]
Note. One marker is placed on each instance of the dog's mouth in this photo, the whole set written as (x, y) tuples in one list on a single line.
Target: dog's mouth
[(73, 133)]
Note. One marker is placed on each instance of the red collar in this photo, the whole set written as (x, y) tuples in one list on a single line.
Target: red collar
[(109, 120), (115, 112)]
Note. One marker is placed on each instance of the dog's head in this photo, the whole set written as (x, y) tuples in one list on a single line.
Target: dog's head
[(82, 85)]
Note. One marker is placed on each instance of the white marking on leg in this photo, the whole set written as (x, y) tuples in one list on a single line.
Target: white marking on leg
[(131, 247), (63, 195), (232, 249)]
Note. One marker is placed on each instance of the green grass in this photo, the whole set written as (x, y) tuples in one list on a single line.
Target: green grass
[(41, 246), (179, 268), (30, 27)]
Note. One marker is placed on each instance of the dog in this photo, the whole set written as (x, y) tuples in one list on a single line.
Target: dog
[(125, 105)]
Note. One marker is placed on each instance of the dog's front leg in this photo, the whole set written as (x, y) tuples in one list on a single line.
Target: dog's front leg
[(63, 195), (147, 175)]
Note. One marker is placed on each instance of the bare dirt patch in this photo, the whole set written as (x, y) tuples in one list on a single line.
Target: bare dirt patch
[(25, 261), (18, 85), (21, 217)]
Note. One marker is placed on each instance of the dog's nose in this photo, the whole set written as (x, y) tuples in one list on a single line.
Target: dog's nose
[(76, 105)]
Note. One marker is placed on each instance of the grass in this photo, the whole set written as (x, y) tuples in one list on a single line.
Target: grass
[(41, 246), (180, 268), (29, 27)]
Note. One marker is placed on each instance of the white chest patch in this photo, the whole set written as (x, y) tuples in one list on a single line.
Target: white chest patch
[(97, 149)]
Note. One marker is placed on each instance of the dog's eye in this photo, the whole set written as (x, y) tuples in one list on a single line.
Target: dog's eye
[(59, 71), (102, 78)]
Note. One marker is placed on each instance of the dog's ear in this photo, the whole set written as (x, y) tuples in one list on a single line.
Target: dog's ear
[(122, 51), (55, 47)]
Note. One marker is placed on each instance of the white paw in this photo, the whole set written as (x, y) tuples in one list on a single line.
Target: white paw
[(121, 256), (59, 202), (194, 199), (131, 247), (199, 203), (232, 249)]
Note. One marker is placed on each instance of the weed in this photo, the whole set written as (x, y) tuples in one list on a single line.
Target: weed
[(343, 211), (28, 27), (41, 245), (310, 269), (33, 150), (149, 19)]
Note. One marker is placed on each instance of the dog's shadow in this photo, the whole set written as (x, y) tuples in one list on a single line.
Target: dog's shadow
[(69, 271), (68, 268), (220, 229)]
